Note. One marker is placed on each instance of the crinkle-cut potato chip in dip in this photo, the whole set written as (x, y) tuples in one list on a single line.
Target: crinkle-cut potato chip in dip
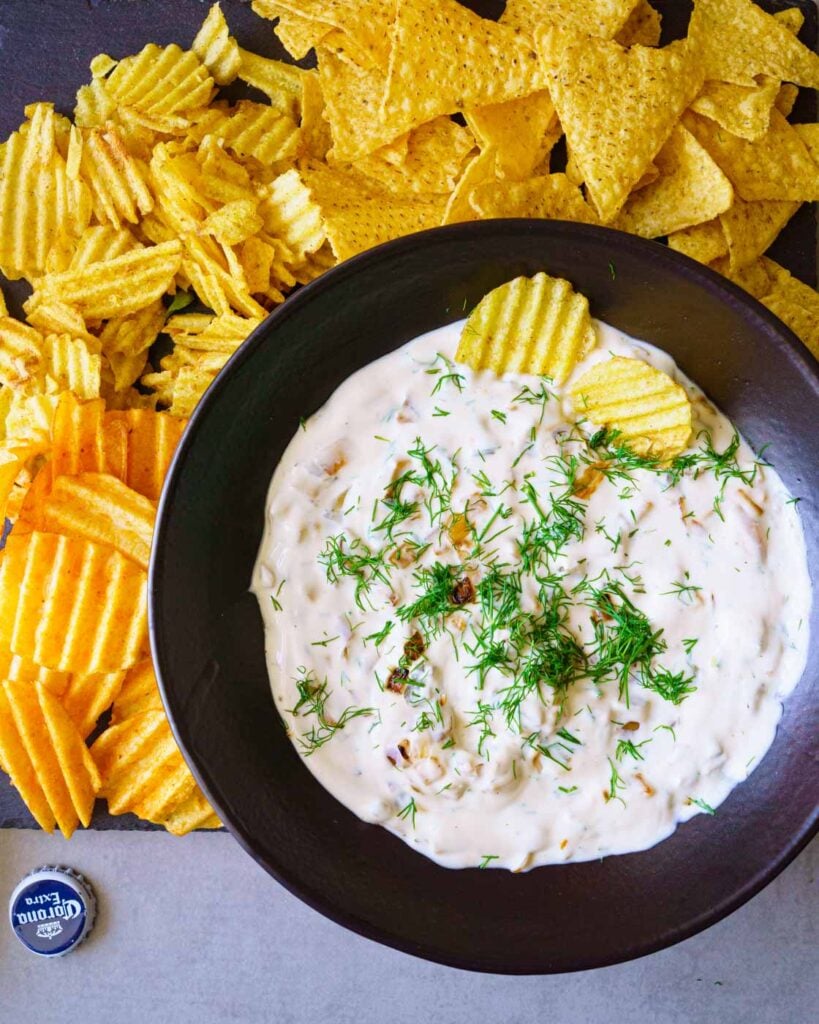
[(159, 224), (520, 542)]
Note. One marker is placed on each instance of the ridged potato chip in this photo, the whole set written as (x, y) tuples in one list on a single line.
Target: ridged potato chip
[(690, 189), (445, 58), (72, 366), (219, 285), (17, 669), (777, 166), (737, 40), (139, 692), (21, 352), (216, 48), (101, 508), (118, 182), (150, 439), (257, 130), (193, 813), (648, 410), (210, 333), (80, 443), (73, 605), (161, 81), (290, 213), (143, 772), (114, 287), (46, 757), (537, 325), (552, 196), (281, 83), (617, 106), (87, 695), (233, 223)]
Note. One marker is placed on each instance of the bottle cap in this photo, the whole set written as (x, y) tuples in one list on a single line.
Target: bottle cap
[(52, 910)]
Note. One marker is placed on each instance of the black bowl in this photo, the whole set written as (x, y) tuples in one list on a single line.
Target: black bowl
[(207, 631)]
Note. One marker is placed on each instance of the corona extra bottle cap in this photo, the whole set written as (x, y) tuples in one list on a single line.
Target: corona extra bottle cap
[(52, 910)]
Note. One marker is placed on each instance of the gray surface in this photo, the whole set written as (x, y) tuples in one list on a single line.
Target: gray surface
[(194, 930)]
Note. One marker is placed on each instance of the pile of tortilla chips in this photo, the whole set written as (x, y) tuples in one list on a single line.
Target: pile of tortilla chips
[(159, 191)]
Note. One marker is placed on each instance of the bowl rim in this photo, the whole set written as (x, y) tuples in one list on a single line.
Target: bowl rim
[(683, 266)]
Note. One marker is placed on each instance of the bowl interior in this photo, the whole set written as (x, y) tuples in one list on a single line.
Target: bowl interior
[(208, 638)]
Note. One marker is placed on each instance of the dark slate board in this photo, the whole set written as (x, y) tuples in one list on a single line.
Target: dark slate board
[(47, 45)]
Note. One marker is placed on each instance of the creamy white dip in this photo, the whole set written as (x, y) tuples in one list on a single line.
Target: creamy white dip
[(514, 729)]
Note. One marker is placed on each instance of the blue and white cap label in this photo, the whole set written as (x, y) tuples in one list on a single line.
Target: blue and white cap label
[(51, 911)]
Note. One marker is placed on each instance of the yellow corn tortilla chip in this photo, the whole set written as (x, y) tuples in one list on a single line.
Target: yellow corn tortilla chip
[(367, 22), (777, 166), (809, 134), (691, 189), (795, 303), (352, 96), (431, 162), (537, 325), (216, 48), (743, 110), (703, 242), (518, 130), (617, 106), (359, 214), (100, 508), (649, 411), (444, 58), (161, 81), (737, 40), (550, 196), (480, 169), (750, 228), (786, 98), (643, 27), (602, 19)]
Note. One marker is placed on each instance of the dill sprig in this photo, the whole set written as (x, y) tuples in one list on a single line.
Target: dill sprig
[(342, 558), (436, 601), (313, 697)]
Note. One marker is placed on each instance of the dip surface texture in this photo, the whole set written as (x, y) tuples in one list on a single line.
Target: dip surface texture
[(500, 635)]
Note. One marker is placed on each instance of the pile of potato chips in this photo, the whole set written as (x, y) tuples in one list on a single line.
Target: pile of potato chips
[(159, 191)]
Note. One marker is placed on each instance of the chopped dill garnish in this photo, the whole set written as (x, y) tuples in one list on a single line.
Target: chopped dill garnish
[(703, 806), (274, 598), (450, 376), (498, 415), (381, 635), (482, 717), (666, 728), (409, 811), (341, 557), (684, 591), (487, 859), (313, 697), (690, 643), (436, 584), (567, 789), (615, 783), (627, 748), (526, 396)]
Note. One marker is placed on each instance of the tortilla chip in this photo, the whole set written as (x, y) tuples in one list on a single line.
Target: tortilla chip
[(750, 228), (444, 58), (367, 22), (551, 196), (617, 106), (795, 303), (737, 40), (740, 109), (703, 242), (786, 98), (434, 155), (691, 189), (358, 214), (601, 18), (519, 132), (352, 96), (809, 134), (480, 169), (777, 166), (643, 28)]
